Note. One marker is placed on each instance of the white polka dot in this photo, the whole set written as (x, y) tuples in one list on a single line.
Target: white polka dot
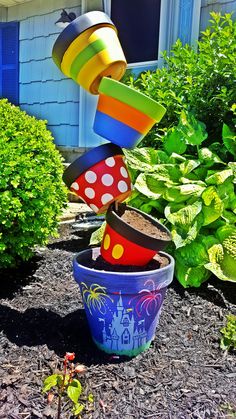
[(110, 161), (75, 186), (90, 176), (89, 192), (123, 172), (94, 207), (107, 180), (107, 197), (122, 186)]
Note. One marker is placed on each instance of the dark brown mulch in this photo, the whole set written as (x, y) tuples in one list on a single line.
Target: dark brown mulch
[(183, 375)]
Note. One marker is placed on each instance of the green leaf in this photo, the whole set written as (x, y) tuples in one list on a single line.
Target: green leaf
[(229, 139), (142, 159), (51, 381), (77, 409), (208, 158), (182, 217), (188, 166), (191, 276), (184, 235), (213, 206), (228, 339), (97, 235), (174, 142), (74, 390), (182, 193), (223, 260), (150, 186), (90, 398), (219, 177), (193, 254)]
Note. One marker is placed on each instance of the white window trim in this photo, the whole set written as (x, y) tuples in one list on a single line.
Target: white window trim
[(167, 32)]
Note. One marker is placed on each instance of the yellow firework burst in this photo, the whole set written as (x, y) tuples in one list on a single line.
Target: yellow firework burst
[(95, 297)]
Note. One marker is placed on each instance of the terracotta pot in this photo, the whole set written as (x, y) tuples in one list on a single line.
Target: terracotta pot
[(99, 177), (88, 49), (123, 244), (122, 308), (124, 115)]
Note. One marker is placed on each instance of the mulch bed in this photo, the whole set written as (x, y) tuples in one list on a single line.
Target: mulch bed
[(183, 375)]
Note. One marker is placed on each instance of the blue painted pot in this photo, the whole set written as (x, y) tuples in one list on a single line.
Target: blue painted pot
[(122, 308)]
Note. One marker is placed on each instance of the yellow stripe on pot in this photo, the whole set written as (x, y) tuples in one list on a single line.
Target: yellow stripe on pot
[(81, 42), (110, 62), (85, 56)]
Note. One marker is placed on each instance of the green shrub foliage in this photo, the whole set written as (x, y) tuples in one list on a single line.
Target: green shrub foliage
[(201, 80), (31, 188)]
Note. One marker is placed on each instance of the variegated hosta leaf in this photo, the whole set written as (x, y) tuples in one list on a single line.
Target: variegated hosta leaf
[(182, 216), (149, 186), (213, 207), (188, 166), (222, 264), (182, 193), (218, 178), (141, 158), (208, 158), (182, 236)]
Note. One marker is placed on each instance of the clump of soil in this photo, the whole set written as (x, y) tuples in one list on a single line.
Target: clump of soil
[(143, 225), (101, 265)]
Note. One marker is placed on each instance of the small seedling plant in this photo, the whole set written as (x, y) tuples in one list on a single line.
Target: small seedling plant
[(228, 340), (64, 385)]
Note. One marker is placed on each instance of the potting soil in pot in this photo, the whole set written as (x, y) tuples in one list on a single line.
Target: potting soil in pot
[(137, 221), (101, 265)]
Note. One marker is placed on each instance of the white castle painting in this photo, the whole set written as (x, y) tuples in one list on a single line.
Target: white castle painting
[(125, 332)]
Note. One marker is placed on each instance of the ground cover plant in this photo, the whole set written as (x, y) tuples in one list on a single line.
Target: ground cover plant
[(64, 384), (228, 340), (32, 193), (191, 189), (199, 79)]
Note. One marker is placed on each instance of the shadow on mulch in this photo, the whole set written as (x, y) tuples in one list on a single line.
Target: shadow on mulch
[(14, 279), (214, 291), (35, 327)]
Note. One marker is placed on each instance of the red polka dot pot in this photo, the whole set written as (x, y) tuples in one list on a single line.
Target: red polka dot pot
[(132, 240), (99, 177)]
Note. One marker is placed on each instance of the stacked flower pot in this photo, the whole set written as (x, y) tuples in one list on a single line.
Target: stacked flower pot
[(123, 283)]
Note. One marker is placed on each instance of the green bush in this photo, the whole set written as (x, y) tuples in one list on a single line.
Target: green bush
[(31, 189), (201, 80)]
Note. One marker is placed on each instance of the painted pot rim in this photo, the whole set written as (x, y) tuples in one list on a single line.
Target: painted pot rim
[(89, 159), (132, 97), (133, 235), (95, 252), (75, 28)]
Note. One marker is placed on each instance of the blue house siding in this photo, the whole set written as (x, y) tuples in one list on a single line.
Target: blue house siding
[(43, 90), (223, 6)]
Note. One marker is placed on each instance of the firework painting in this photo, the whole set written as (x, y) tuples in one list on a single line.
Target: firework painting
[(149, 300), (95, 298)]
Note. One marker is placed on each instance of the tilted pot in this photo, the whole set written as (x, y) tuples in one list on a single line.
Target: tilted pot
[(99, 177), (124, 244), (122, 308), (89, 49), (124, 115)]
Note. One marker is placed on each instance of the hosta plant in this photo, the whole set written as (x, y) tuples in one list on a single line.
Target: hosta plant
[(191, 189), (32, 193), (228, 339)]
